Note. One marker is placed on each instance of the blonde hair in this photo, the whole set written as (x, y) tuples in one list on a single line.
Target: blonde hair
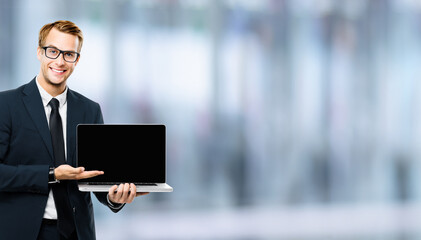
[(62, 26)]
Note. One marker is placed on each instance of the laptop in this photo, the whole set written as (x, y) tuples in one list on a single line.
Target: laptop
[(126, 153)]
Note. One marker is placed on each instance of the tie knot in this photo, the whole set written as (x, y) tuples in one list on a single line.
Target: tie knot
[(54, 103)]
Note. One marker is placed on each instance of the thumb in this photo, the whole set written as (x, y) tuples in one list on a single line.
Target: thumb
[(112, 190), (79, 170)]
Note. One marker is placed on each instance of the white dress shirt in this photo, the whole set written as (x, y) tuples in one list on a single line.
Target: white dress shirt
[(50, 209)]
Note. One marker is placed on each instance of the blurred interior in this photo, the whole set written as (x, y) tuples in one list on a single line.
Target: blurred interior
[(286, 119)]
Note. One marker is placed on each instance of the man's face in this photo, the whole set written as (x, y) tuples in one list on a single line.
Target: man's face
[(54, 72)]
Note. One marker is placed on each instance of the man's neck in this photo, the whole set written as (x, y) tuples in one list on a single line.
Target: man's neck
[(53, 90)]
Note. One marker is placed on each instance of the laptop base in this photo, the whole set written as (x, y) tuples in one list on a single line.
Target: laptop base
[(158, 187)]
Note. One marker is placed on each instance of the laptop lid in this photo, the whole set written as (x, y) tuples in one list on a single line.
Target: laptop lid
[(126, 153)]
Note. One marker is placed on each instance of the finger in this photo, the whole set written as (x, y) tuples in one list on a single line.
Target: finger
[(74, 172), (112, 190), (125, 192), (78, 170), (89, 174), (119, 192), (93, 173), (132, 193)]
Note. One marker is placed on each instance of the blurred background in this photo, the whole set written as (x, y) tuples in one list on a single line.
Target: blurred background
[(286, 119)]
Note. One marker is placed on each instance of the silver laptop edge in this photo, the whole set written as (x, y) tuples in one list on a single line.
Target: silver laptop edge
[(160, 187)]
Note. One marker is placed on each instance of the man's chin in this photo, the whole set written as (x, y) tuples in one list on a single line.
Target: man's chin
[(57, 82)]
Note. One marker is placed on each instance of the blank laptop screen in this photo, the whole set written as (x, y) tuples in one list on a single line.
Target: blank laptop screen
[(126, 153)]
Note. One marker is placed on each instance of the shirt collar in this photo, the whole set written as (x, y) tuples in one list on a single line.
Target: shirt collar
[(46, 97)]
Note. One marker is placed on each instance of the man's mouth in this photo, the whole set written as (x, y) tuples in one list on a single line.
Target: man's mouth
[(57, 70)]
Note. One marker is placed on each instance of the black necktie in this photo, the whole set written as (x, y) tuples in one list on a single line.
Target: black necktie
[(61, 198)]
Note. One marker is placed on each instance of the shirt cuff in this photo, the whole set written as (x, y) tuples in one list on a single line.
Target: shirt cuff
[(115, 206)]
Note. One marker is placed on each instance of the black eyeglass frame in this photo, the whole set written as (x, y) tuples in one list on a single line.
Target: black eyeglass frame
[(61, 53)]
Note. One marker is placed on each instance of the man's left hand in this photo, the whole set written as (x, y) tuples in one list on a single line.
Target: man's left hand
[(124, 193)]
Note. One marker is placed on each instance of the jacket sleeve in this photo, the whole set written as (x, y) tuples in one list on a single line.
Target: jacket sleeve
[(15, 177)]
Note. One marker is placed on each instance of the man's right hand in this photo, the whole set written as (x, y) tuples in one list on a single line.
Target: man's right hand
[(67, 172)]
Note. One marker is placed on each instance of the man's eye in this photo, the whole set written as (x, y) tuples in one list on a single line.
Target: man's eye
[(70, 54)]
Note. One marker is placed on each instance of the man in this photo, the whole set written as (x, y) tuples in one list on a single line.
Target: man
[(39, 197)]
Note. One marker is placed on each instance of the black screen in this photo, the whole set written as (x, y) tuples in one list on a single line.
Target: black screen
[(126, 153)]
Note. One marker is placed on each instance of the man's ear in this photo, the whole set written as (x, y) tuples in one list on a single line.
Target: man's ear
[(39, 53), (77, 60)]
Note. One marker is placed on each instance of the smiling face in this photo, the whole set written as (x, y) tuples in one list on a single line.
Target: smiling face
[(54, 72)]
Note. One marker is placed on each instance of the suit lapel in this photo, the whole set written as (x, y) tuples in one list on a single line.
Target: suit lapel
[(35, 108), (74, 117), (33, 103)]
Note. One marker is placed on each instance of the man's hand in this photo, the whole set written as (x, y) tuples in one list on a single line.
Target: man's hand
[(124, 193), (67, 172)]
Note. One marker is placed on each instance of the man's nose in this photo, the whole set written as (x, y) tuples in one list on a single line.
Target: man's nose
[(60, 59)]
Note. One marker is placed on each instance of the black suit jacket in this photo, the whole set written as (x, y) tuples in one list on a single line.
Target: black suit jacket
[(26, 154)]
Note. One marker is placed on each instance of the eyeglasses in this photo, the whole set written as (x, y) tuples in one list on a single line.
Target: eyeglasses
[(68, 56)]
